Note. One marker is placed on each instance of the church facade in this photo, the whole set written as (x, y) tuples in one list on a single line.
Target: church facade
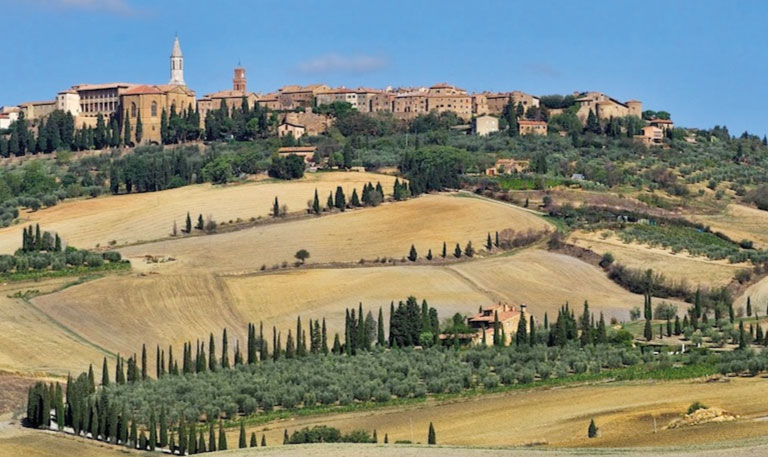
[(147, 102)]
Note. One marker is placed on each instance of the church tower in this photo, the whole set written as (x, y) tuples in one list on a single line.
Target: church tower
[(239, 81), (177, 65)]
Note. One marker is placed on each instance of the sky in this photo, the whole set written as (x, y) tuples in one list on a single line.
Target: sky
[(703, 61)]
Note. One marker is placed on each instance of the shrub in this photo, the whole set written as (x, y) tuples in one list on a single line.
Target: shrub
[(695, 406)]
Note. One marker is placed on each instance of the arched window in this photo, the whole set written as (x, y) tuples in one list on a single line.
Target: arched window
[(133, 109), (154, 109)]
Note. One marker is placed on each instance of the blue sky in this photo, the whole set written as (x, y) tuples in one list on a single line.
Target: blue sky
[(704, 61)]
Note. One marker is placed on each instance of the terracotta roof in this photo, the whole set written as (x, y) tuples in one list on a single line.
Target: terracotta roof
[(145, 89), (529, 122), (102, 86), (661, 121), (229, 94), (489, 314)]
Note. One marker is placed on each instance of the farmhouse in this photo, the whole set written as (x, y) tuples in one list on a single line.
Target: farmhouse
[(651, 135), (508, 316), (485, 125)]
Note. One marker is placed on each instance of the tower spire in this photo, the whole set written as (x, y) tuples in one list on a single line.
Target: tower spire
[(177, 64)]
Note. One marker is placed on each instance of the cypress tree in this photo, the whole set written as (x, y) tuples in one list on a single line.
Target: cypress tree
[(413, 255), (192, 439), (289, 347), (263, 352), (496, 330), (749, 306), (457, 251), (127, 135), (241, 441), (443, 253), (380, 341), (143, 362), (182, 437), (224, 350), (163, 429), (316, 203), (336, 344), (488, 242), (254, 442), (669, 327), (742, 336), (354, 200), (340, 200), (188, 224), (325, 339), (496, 242), (211, 438), (152, 431), (521, 337), (133, 439), (648, 331), (678, 329), (263, 440), (592, 430), (285, 436), (329, 204), (222, 438), (139, 129), (431, 437), (276, 208), (104, 373), (532, 333), (386, 438), (602, 335)]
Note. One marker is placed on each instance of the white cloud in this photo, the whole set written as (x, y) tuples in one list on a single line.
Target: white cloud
[(121, 7), (334, 63)]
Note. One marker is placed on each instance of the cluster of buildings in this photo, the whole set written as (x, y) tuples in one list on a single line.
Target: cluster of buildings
[(294, 104)]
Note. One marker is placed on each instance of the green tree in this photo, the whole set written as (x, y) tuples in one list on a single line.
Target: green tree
[(276, 208), (592, 430), (340, 199), (302, 255), (254, 441), (521, 336), (469, 251), (457, 251), (431, 436), (316, 204), (127, 135), (241, 441), (139, 129), (222, 437), (188, 224), (413, 255)]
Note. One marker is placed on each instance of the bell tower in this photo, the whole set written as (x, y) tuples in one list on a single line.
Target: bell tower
[(177, 65), (239, 81)]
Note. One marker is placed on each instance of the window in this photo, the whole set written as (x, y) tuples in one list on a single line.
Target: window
[(154, 109), (133, 109)]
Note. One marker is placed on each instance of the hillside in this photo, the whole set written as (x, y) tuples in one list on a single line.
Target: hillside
[(129, 218)]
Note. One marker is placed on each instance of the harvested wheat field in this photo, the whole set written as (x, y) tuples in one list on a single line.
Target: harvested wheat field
[(739, 222), (384, 231), (15, 441), (758, 294), (545, 281), (404, 450), (121, 313), (677, 267), (33, 343), (623, 412), (150, 216)]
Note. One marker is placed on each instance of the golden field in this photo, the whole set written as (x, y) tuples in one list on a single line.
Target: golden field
[(624, 413), (121, 313), (150, 216), (739, 222), (385, 231), (678, 267)]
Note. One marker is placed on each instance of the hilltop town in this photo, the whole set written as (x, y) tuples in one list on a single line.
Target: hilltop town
[(138, 114)]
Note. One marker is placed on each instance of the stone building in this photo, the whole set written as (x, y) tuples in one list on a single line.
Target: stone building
[(527, 127), (496, 102), (37, 110), (148, 101), (303, 123), (233, 98), (445, 97), (605, 107), (508, 317), (485, 125), (360, 98)]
